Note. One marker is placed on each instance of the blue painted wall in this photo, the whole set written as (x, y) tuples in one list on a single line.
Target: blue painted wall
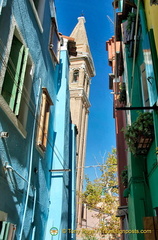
[(30, 208), (62, 183)]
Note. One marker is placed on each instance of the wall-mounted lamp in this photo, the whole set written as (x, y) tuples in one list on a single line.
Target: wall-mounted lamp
[(60, 170), (4, 134)]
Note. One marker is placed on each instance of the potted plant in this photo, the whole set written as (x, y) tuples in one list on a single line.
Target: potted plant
[(122, 97), (131, 19), (139, 135), (124, 177), (128, 28)]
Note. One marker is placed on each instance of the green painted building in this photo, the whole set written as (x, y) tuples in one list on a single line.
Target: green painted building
[(140, 77)]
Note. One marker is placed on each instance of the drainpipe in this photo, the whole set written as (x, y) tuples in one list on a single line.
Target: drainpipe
[(33, 214), (135, 45), (30, 167)]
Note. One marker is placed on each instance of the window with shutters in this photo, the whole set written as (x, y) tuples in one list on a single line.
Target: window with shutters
[(150, 73), (145, 94), (42, 132), (15, 75), (17, 80), (54, 41)]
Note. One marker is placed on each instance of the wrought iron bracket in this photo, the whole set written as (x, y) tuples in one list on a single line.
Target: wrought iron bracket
[(138, 108)]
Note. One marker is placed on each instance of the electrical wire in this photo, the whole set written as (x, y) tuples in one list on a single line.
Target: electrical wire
[(28, 100)]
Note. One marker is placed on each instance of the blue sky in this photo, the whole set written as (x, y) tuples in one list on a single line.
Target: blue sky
[(101, 128)]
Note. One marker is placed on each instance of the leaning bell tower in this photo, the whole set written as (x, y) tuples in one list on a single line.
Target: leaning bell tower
[(81, 72)]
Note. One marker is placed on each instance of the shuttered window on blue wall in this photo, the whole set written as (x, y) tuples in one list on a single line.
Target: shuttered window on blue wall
[(15, 74), (54, 41), (43, 122)]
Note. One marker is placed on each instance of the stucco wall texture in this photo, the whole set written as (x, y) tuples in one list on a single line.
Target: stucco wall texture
[(31, 195)]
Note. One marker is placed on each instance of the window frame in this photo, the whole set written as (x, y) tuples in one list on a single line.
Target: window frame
[(150, 73), (19, 75), (38, 13), (144, 86), (20, 125), (76, 74), (54, 32), (43, 120)]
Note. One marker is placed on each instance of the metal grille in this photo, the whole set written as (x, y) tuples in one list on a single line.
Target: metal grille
[(144, 144)]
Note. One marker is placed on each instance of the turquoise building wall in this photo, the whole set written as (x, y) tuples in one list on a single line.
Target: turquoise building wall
[(142, 197), (62, 191), (139, 200), (29, 189)]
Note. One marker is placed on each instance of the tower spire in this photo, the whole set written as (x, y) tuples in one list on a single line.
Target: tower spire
[(81, 71)]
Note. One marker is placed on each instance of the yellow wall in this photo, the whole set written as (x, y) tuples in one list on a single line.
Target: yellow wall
[(152, 19)]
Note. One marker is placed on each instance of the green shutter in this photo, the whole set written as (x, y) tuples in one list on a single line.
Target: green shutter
[(6, 236), (9, 79), (2, 232), (15, 74), (21, 81), (16, 57), (150, 75), (154, 54)]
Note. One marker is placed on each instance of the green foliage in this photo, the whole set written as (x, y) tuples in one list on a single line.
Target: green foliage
[(122, 96), (131, 18), (107, 184), (89, 238), (124, 177), (143, 126), (92, 195)]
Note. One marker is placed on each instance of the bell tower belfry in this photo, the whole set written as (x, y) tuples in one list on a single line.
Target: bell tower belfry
[(81, 72)]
